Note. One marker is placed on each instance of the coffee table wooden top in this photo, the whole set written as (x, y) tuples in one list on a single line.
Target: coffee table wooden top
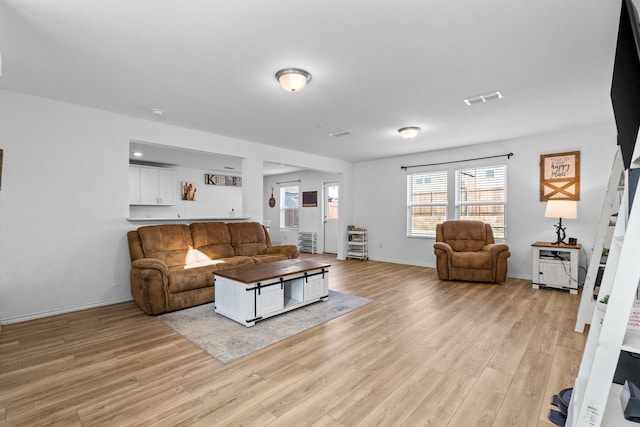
[(271, 270)]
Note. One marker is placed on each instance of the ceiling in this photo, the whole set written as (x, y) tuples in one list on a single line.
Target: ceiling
[(376, 65)]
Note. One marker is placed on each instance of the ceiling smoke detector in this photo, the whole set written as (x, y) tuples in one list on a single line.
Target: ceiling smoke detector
[(479, 99)]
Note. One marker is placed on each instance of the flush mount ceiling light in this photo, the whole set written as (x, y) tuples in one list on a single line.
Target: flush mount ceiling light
[(293, 79), (409, 132), (157, 111)]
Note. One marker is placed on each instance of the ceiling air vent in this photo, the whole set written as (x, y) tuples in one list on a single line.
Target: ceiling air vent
[(343, 132), (479, 99)]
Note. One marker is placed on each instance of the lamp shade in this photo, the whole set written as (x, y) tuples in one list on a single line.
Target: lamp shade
[(567, 209), (293, 79)]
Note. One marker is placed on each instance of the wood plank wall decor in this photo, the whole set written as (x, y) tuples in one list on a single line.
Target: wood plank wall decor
[(560, 176)]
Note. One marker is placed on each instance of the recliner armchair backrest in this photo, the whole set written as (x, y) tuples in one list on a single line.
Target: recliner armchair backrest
[(465, 236)]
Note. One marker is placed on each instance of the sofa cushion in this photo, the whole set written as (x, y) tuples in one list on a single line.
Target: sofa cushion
[(212, 239), (475, 260), (170, 243), (261, 259), (248, 238), (183, 279), (233, 262), (201, 274)]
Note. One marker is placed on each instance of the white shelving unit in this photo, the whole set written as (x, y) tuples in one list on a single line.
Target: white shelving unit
[(307, 242), (358, 243), (595, 400), (603, 240)]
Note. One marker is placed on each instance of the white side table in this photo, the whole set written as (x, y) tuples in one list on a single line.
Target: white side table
[(556, 266)]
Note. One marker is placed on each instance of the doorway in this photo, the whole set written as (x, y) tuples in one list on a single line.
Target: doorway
[(331, 192)]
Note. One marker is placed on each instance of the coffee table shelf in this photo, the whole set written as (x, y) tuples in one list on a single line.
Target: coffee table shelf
[(251, 294)]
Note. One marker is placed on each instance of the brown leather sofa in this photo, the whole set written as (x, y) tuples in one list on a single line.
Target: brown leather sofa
[(173, 265), (465, 250)]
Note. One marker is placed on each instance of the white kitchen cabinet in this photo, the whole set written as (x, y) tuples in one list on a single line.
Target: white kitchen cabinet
[(152, 186)]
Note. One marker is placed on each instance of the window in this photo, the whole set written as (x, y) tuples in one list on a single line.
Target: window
[(478, 193), (289, 207), (427, 202), (481, 195)]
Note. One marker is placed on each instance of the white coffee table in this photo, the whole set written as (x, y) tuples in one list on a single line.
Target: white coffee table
[(250, 294)]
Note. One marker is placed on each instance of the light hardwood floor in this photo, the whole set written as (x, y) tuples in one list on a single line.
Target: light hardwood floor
[(425, 352)]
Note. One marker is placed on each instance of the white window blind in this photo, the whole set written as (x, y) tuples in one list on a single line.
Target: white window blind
[(481, 195), (427, 202)]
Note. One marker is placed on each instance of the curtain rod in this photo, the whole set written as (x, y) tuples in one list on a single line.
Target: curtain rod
[(287, 182), (508, 156)]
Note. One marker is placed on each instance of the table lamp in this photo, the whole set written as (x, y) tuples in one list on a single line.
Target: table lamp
[(567, 209)]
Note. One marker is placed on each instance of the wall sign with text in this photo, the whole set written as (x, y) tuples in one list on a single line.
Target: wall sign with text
[(560, 176), (230, 181)]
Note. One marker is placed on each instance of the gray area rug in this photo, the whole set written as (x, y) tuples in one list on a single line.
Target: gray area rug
[(227, 340)]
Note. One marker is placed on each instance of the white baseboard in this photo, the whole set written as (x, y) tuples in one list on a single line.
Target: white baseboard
[(32, 316)]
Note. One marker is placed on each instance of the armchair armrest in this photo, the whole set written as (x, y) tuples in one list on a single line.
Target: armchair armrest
[(443, 247), (495, 248), (290, 251), (149, 284)]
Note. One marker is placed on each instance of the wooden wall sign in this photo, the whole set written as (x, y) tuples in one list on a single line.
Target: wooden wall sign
[(560, 176), (231, 181)]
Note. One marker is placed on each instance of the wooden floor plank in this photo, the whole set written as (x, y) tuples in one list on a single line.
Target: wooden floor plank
[(424, 352)]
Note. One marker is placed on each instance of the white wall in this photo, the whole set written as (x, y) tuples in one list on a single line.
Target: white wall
[(311, 218), (380, 187), (212, 201), (64, 199)]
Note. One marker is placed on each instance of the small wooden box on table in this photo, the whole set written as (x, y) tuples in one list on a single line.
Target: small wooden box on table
[(251, 294), (556, 266)]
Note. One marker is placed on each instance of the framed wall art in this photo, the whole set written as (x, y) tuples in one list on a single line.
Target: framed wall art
[(560, 176), (309, 199), (189, 191)]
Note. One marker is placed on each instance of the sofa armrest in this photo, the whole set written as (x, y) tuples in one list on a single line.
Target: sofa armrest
[(152, 263), (149, 284), (290, 251)]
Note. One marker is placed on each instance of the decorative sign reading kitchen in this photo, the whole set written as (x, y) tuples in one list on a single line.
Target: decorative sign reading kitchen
[(230, 181)]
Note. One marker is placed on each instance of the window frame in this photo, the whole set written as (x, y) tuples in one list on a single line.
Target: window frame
[(499, 231), (411, 205), (284, 209), (454, 205)]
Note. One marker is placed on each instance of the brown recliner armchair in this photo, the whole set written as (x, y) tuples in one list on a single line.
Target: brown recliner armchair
[(465, 250)]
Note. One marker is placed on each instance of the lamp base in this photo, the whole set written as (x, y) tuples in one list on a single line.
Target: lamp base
[(561, 234)]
